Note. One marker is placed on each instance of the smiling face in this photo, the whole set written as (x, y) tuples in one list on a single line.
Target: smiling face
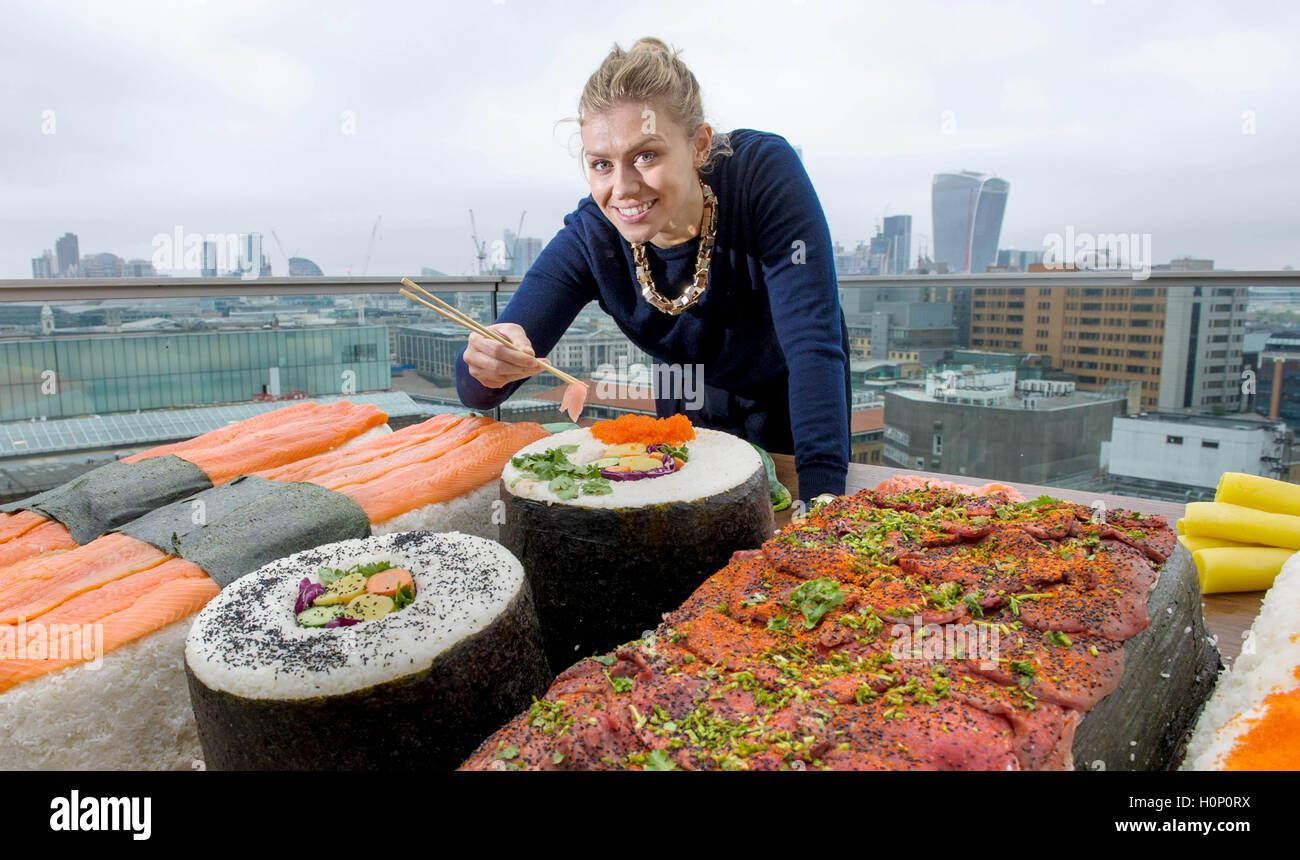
[(643, 172)]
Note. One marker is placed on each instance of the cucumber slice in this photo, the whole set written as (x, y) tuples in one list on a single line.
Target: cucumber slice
[(781, 498), (319, 616), (559, 427), (329, 575), (605, 462)]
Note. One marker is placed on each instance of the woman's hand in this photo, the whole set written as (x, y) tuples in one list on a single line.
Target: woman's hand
[(495, 364)]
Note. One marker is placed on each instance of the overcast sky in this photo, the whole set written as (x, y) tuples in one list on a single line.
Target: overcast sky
[(1177, 119)]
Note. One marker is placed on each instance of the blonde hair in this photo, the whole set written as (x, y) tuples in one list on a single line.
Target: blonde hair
[(650, 71)]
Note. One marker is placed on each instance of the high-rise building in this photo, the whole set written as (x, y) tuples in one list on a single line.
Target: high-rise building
[(1018, 261), (967, 208), (301, 267), (898, 237), (138, 269), (1179, 347), (101, 266), (69, 255), (522, 251), (209, 268), (893, 319), (44, 265)]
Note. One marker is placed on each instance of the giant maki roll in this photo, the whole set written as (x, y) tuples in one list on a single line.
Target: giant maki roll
[(619, 523), (393, 652)]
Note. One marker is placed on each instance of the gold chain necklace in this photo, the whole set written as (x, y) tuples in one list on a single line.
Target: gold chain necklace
[(695, 289)]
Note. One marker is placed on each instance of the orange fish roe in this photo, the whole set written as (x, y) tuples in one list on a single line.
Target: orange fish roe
[(1270, 742), (643, 428)]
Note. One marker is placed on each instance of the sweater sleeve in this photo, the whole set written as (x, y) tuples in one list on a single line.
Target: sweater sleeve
[(799, 270), (556, 287)]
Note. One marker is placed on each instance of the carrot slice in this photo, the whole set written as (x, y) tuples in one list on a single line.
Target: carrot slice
[(389, 582)]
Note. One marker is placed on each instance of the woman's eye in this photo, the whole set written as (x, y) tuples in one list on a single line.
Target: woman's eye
[(599, 166), (647, 156)]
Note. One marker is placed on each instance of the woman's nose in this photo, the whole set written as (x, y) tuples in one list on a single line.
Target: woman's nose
[(626, 182)]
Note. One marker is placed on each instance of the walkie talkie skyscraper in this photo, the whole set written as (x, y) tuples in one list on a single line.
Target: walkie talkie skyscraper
[(967, 209)]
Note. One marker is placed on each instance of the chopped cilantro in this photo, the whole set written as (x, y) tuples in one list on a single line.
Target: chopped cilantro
[(815, 598), (1056, 637), (404, 597)]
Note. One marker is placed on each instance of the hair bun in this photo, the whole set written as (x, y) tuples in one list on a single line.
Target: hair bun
[(649, 43)]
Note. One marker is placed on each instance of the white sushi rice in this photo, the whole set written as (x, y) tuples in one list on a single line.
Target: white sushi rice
[(372, 433), (247, 642), (131, 713), (1267, 664), (718, 462), (470, 513)]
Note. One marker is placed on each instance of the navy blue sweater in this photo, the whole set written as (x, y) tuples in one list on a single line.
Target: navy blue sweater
[(768, 330)]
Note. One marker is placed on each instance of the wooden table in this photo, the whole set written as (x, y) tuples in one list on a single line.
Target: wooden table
[(1227, 616)]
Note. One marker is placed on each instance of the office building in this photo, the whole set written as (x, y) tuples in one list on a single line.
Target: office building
[(209, 267), (301, 267), (897, 244), (44, 266), (522, 251), (251, 258), (967, 209), (960, 424), (67, 252), (64, 376), (138, 269), (1180, 346), (101, 266), (1182, 457), (1277, 382), (1018, 261)]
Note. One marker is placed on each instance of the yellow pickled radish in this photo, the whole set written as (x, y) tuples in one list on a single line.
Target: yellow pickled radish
[(368, 607), (342, 590), (642, 463), (625, 449)]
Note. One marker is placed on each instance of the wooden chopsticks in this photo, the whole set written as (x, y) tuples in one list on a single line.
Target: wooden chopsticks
[(449, 312)]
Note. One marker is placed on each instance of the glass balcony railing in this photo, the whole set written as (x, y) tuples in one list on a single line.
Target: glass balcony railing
[(1087, 380)]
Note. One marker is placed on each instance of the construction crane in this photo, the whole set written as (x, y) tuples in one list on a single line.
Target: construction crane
[(280, 246), (370, 250), (480, 248), (514, 249)]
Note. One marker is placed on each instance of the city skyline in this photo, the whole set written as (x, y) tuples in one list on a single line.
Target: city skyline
[(1108, 118)]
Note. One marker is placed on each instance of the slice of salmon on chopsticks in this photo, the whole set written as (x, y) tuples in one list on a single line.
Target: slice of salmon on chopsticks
[(576, 394)]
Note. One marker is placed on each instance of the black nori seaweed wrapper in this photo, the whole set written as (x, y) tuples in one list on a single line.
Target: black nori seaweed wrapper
[(1158, 713), (115, 493), (601, 576), (248, 522), (428, 720)]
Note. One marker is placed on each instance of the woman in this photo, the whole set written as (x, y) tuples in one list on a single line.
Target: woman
[(705, 251)]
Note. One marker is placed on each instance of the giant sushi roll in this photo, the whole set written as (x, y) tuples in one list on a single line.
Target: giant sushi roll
[(410, 681), (619, 523)]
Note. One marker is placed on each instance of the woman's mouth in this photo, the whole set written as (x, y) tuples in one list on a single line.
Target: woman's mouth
[(633, 214)]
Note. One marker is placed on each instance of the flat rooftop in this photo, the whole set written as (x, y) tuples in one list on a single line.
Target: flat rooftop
[(1235, 421), (1055, 403)]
